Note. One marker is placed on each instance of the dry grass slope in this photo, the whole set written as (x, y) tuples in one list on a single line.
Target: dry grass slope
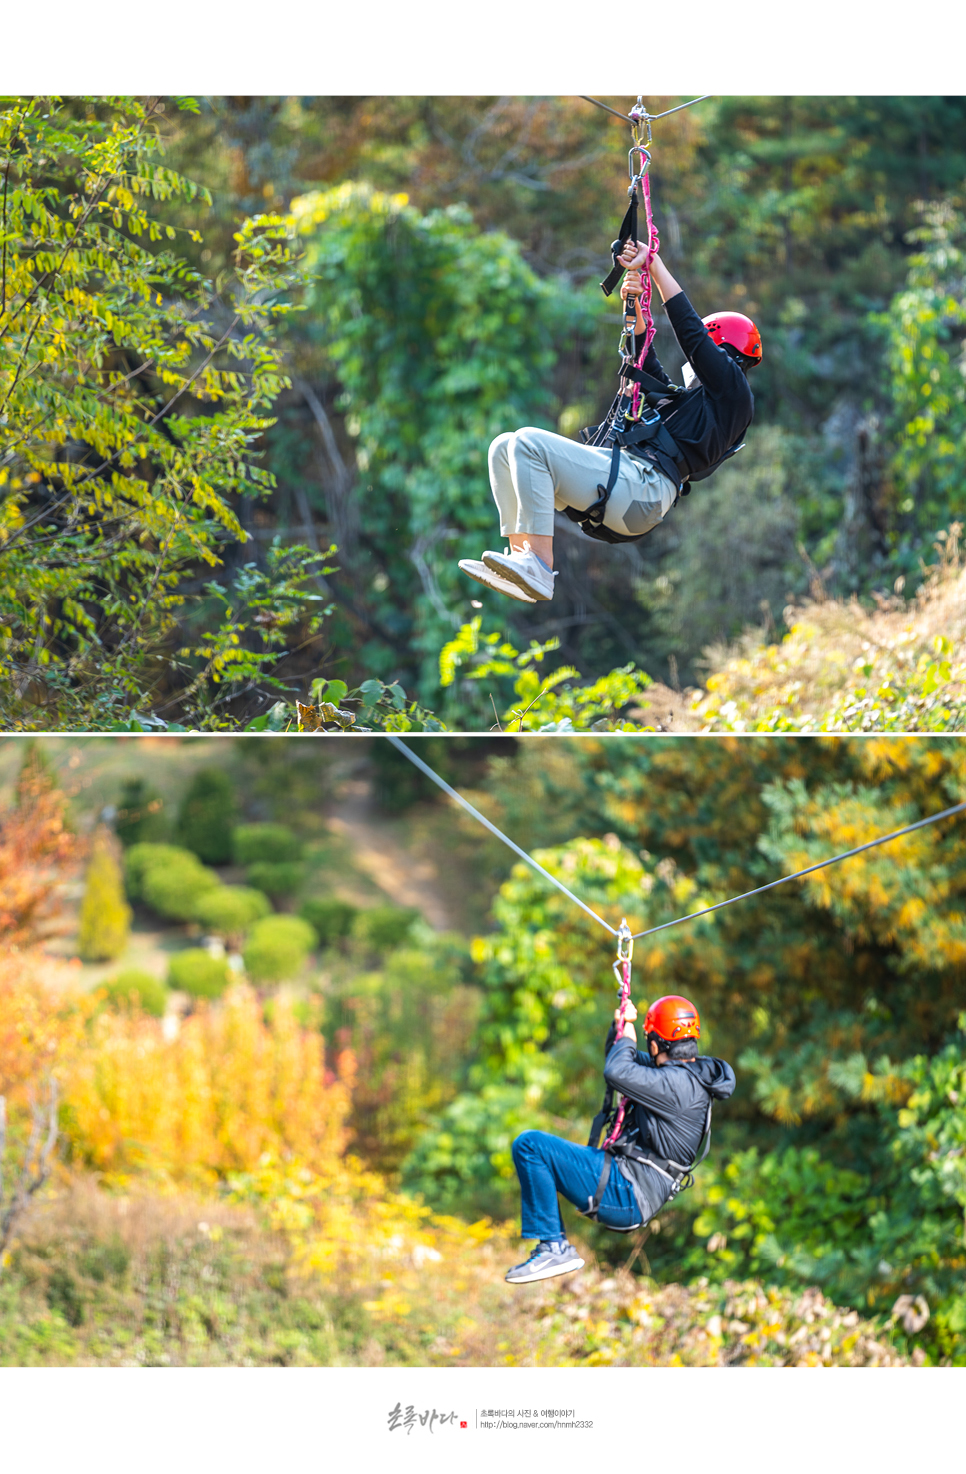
[(844, 668)]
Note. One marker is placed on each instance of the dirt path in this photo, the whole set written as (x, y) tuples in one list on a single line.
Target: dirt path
[(407, 881)]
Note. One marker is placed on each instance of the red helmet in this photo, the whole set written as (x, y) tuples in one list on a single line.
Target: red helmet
[(737, 330), (673, 1018)]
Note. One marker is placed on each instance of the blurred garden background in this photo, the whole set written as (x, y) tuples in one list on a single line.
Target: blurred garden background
[(272, 1011), (252, 351)]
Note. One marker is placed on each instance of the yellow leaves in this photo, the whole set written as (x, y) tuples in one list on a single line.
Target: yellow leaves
[(228, 1089)]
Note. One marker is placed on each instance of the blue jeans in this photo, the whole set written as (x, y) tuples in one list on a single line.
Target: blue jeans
[(547, 1165)]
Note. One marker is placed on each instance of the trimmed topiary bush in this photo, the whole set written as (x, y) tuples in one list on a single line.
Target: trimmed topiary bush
[(272, 842), (195, 971), (331, 918), (229, 910), (135, 988), (105, 916), (277, 878), (175, 890), (207, 816), (277, 948), (383, 927), (140, 858), (140, 814)]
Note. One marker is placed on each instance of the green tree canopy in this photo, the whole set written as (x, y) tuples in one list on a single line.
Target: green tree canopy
[(134, 394)]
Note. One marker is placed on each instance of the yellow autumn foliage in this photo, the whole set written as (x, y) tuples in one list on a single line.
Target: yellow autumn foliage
[(228, 1088), (40, 1029)]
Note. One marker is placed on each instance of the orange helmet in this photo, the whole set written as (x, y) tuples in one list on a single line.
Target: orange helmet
[(736, 330), (672, 1018)]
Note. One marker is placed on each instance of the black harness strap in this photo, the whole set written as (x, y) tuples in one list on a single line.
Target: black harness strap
[(628, 232)]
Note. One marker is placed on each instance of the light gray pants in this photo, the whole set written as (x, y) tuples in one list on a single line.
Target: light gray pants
[(534, 471)]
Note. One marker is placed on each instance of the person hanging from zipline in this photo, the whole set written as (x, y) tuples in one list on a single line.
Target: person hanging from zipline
[(670, 435), (654, 1141)]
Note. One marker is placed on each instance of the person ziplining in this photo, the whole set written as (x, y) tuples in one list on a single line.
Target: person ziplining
[(658, 437), (654, 1142), (654, 1135)]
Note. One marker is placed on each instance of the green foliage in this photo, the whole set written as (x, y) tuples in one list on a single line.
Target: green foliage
[(279, 879), (380, 928), (229, 910), (381, 707), (135, 988), (330, 918), (142, 857), (133, 393), (140, 814), (409, 1024), (196, 972), (464, 1163), (173, 886), (277, 948), (105, 916), (546, 703), (256, 842), (206, 817), (459, 349), (926, 325)]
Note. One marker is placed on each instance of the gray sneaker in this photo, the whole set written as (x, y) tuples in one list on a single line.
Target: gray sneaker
[(553, 1256), (482, 574)]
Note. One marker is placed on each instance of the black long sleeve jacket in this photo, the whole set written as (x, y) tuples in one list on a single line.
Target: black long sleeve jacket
[(713, 415)]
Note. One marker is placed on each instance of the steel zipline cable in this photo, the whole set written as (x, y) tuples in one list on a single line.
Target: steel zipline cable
[(692, 915)]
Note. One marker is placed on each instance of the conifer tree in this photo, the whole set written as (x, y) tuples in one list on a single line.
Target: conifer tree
[(207, 817), (105, 915)]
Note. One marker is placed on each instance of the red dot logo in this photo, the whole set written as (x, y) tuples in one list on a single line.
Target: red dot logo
[(463, 1425)]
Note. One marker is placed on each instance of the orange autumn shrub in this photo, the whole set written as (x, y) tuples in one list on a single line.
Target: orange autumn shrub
[(227, 1089), (36, 847)]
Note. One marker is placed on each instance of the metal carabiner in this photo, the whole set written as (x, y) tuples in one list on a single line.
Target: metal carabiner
[(622, 962), (635, 176)]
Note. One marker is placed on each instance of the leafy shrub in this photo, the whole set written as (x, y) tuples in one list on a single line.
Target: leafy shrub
[(141, 858), (277, 878), (329, 917), (174, 890), (195, 971), (549, 703), (277, 948), (136, 988), (105, 916), (229, 910), (207, 816), (270, 842), (140, 814), (382, 927)]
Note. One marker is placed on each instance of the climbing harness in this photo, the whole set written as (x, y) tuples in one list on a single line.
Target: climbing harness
[(691, 915)]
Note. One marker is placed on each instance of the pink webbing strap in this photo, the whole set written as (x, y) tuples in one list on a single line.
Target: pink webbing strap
[(653, 245), (625, 998)]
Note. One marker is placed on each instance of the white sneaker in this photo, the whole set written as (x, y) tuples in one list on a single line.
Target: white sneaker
[(524, 569), (482, 574)]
